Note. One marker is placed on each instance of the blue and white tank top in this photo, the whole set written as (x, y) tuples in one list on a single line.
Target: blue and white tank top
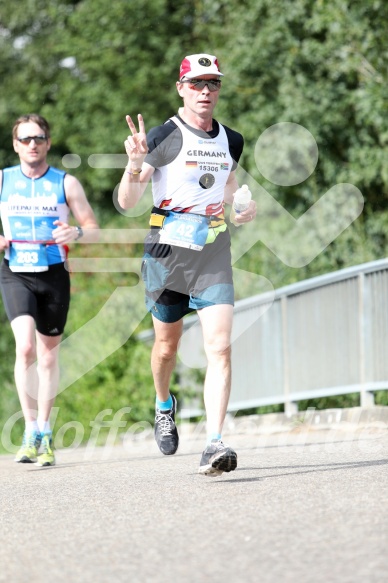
[(29, 207)]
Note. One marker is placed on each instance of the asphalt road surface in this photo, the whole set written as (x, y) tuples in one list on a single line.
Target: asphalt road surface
[(303, 506)]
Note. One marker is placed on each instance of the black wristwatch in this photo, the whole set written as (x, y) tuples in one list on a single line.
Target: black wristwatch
[(80, 233)]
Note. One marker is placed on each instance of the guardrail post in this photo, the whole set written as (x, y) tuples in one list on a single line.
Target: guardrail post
[(366, 397), (290, 407)]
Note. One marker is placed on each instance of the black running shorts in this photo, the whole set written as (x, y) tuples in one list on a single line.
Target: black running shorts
[(44, 295), (179, 281)]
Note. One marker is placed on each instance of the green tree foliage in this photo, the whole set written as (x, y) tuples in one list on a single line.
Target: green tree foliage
[(85, 64), (322, 65)]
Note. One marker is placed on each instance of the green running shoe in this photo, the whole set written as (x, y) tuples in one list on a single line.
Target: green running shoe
[(46, 458), (27, 454)]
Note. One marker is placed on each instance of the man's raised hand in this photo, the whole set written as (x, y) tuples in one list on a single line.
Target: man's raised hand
[(136, 143)]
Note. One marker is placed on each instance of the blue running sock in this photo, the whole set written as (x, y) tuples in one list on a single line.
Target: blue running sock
[(212, 436), (164, 405)]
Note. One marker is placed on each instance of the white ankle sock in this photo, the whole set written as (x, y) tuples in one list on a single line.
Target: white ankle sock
[(44, 426), (32, 426)]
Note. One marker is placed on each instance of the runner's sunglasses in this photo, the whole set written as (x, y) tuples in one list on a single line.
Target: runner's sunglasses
[(37, 139), (213, 84)]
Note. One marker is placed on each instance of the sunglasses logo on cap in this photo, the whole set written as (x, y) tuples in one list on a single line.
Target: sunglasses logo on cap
[(204, 62)]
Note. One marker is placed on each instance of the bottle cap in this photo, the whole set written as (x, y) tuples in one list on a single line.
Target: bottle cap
[(243, 194)]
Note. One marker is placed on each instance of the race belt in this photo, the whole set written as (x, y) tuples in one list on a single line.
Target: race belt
[(187, 230)]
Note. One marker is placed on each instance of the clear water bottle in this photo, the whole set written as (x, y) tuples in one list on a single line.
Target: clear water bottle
[(241, 200)]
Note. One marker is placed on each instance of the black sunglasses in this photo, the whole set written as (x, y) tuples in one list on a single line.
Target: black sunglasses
[(213, 84), (37, 139)]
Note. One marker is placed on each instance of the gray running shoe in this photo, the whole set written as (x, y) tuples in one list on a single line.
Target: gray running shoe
[(217, 458), (166, 433)]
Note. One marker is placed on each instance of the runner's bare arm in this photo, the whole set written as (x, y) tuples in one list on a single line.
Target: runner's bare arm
[(4, 244), (82, 212), (137, 173), (230, 188)]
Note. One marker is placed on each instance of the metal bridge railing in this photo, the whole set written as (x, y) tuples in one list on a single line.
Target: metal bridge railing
[(323, 336)]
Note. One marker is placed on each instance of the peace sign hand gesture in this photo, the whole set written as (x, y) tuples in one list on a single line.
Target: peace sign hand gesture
[(136, 144)]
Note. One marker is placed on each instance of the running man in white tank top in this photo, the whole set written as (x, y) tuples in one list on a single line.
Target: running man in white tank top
[(191, 161)]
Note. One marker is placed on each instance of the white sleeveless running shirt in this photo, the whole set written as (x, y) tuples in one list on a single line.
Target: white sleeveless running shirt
[(195, 181)]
